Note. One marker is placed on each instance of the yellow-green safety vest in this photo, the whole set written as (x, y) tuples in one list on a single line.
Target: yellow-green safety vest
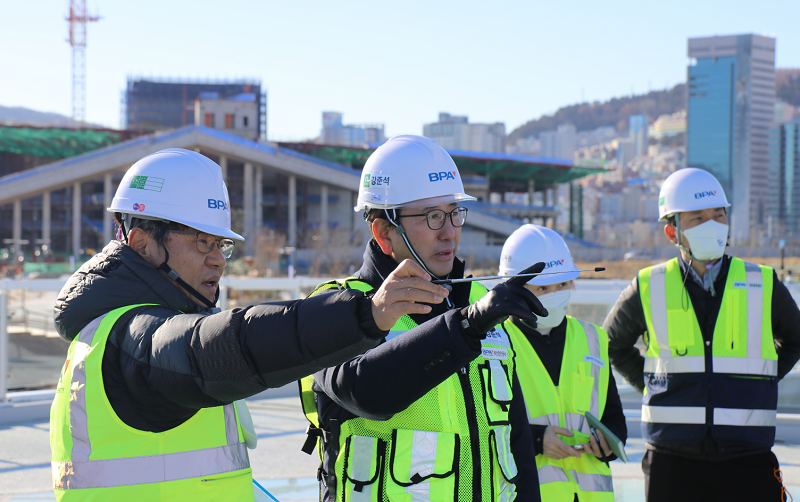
[(427, 452), (95, 456), (727, 384), (582, 387)]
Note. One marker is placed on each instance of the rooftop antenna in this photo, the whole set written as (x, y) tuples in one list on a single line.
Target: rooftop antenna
[(77, 39)]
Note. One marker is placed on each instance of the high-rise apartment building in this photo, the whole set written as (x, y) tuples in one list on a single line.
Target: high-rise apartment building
[(730, 109), (784, 164), (637, 132), (456, 133)]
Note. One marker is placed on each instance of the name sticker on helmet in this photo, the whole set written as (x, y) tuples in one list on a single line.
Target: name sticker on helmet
[(554, 263), (150, 183), (441, 176), (700, 195), (382, 181), (217, 204)]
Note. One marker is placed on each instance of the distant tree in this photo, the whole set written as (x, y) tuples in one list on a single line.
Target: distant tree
[(614, 112)]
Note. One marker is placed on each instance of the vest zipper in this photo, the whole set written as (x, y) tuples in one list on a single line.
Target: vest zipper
[(472, 421)]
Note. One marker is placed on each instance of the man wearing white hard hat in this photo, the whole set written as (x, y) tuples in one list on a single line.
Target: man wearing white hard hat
[(564, 372), (148, 406), (435, 413), (720, 333)]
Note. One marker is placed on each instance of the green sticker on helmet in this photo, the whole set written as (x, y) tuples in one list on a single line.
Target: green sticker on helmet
[(150, 183), (661, 201), (366, 181)]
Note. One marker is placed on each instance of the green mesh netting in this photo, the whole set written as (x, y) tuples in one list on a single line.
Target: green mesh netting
[(54, 143)]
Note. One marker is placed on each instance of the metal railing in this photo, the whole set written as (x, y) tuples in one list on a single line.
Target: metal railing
[(591, 301)]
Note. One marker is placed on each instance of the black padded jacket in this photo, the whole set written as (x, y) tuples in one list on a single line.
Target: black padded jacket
[(163, 363)]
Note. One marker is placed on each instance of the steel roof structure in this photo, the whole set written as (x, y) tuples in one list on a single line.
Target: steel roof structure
[(497, 166)]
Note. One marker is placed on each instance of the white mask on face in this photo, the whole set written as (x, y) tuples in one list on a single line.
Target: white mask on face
[(707, 241), (556, 305)]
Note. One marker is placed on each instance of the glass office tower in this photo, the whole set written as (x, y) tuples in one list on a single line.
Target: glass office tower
[(731, 99)]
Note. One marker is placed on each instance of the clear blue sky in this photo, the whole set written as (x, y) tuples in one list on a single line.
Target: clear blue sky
[(399, 63)]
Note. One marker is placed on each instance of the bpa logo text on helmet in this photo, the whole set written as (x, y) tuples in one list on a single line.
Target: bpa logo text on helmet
[(700, 195), (441, 176), (554, 263), (217, 204)]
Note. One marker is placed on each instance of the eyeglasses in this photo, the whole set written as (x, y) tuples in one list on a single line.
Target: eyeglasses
[(206, 242), (436, 217)]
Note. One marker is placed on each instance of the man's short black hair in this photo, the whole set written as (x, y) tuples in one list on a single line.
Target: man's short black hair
[(154, 228), (375, 214)]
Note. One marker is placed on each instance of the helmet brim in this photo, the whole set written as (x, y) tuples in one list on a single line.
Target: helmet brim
[(430, 201)]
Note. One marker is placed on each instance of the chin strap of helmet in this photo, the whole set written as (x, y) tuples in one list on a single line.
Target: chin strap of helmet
[(177, 278), (393, 220)]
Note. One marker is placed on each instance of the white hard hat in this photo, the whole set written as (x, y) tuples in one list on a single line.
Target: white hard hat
[(406, 169), (531, 244), (177, 185), (689, 189)]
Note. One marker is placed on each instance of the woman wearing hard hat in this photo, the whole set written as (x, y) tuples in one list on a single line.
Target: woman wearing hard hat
[(564, 372)]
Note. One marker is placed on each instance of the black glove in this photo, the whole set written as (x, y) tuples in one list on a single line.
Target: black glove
[(510, 298)]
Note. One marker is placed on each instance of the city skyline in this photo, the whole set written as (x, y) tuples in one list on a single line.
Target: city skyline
[(396, 66)]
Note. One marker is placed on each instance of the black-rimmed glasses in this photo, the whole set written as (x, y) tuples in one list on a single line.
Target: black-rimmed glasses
[(206, 242), (436, 217)]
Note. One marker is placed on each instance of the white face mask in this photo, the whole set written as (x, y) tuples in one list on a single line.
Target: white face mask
[(556, 305), (707, 241)]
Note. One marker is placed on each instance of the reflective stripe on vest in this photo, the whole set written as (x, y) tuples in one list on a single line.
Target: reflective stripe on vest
[(502, 437), (593, 482), (81, 472), (663, 361), (551, 419), (586, 482), (363, 452)]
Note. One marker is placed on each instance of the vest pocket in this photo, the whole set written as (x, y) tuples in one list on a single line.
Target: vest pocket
[(497, 392), (363, 464), (504, 469), (582, 386), (422, 466)]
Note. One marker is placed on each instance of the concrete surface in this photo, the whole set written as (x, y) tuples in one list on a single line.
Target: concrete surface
[(289, 474)]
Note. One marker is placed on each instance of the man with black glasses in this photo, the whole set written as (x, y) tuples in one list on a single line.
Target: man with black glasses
[(148, 406), (435, 413)]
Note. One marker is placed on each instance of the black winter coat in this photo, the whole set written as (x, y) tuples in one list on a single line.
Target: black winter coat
[(626, 323), (389, 378), (164, 363)]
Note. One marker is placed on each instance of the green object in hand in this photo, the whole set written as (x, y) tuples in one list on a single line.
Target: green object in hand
[(617, 446)]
